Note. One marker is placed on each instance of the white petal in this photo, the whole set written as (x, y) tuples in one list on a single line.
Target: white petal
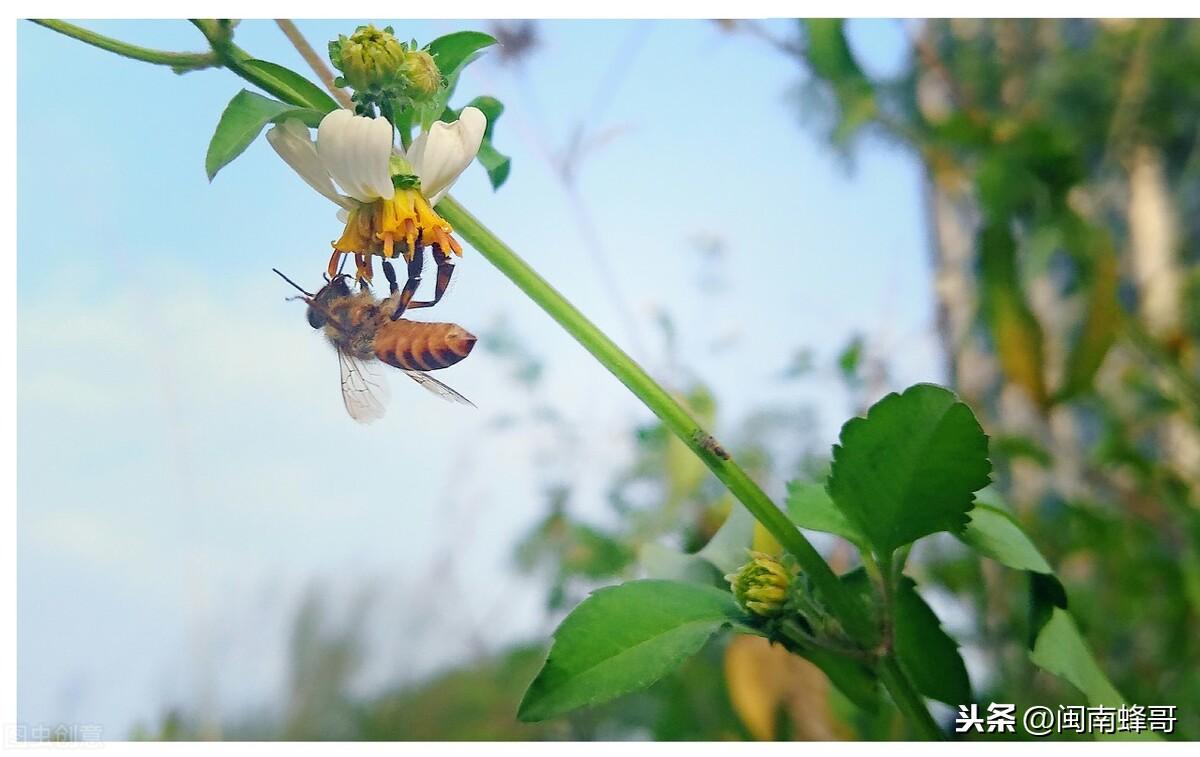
[(355, 151), (294, 144), (440, 155)]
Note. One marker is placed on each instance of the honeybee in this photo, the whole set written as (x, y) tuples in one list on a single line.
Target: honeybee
[(362, 330)]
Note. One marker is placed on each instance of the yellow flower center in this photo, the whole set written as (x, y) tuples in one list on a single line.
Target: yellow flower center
[(405, 225)]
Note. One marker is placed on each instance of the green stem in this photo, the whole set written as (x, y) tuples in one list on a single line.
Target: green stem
[(907, 700), (220, 36), (180, 62), (666, 407)]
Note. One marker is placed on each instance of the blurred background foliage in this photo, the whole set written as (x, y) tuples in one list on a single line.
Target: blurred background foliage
[(1061, 161)]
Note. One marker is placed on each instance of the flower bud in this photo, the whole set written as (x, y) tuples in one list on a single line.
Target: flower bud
[(761, 585), (424, 77), (370, 59)]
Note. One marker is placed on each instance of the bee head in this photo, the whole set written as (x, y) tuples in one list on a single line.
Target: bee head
[(336, 289), (318, 304)]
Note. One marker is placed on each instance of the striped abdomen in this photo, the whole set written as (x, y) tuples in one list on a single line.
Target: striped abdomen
[(418, 346)]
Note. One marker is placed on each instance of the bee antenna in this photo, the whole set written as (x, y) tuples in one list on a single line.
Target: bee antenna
[(285, 278)]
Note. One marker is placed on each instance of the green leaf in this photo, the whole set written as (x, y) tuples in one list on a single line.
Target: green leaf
[(1046, 593), (624, 638), (1055, 642), (242, 121), (926, 652), (290, 85), (910, 468), (810, 506), (496, 163), (1062, 651), (994, 533), (454, 51)]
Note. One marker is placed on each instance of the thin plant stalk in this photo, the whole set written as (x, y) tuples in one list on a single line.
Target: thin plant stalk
[(180, 62)]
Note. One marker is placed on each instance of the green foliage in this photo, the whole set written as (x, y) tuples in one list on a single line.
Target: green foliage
[(496, 163), (624, 638), (910, 467), (993, 533), (452, 53), (242, 121), (290, 85), (1061, 650), (1056, 644), (925, 651), (455, 51), (811, 507)]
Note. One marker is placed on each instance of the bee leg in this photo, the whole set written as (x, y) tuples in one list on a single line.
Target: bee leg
[(414, 280), (445, 269), (389, 272)]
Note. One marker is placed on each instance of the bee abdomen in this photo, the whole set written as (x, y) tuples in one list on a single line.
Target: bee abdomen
[(418, 346)]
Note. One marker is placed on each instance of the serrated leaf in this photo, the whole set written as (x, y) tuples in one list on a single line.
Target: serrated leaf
[(290, 85), (925, 651), (994, 533), (624, 638), (242, 121), (910, 467), (810, 506), (453, 51)]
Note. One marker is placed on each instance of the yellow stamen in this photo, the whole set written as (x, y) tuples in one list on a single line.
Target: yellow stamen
[(407, 221)]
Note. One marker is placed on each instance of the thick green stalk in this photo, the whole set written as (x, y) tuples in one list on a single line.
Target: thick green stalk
[(665, 406), (180, 62)]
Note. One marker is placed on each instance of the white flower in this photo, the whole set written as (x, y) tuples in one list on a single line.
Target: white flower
[(353, 151), (353, 154)]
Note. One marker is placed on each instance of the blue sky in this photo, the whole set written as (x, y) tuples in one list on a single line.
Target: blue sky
[(185, 466)]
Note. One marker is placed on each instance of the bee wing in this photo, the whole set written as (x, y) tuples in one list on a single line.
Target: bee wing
[(364, 388), (437, 387)]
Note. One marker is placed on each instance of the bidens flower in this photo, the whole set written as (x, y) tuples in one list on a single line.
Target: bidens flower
[(386, 196), (761, 585)]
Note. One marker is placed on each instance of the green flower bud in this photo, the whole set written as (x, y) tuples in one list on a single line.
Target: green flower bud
[(761, 585), (424, 78), (370, 59)]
